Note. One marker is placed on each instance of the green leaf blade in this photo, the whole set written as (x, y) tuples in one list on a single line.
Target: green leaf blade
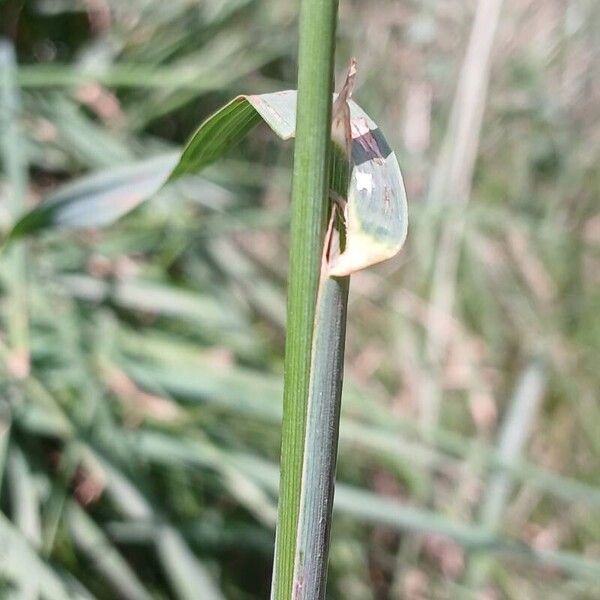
[(376, 215)]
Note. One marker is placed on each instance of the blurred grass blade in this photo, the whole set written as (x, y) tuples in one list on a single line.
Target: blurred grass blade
[(15, 171), (517, 425), (5, 426), (255, 395), (364, 505), (89, 143), (216, 319), (98, 199), (160, 448), (24, 496), (11, 147), (157, 298), (21, 565), (104, 557), (451, 186), (181, 567), (265, 296), (373, 508), (189, 577)]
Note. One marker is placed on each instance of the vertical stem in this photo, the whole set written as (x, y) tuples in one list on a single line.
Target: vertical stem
[(322, 434), (309, 211)]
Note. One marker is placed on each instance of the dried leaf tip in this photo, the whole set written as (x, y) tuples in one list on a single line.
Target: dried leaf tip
[(341, 133), (346, 91)]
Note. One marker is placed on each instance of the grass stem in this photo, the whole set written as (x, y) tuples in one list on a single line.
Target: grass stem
[(309, 213)]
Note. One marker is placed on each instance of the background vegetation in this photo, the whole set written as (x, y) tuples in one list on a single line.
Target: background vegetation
[(138, 453)]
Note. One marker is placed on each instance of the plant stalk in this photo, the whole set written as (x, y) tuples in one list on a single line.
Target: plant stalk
[(309, 213), (322, 434)]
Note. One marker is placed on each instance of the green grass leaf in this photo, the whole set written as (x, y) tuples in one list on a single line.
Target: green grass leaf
[(376, 214)]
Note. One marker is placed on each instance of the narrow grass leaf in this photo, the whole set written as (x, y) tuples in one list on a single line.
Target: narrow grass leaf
[(189, 578), (20, 564), (372, 508), (14, 163), (181, 566), (257, 395), (104, 557), (24, 496), (156, 298), (162, 448), (376, 213), (5, 425), (98, 199), (516, 427)]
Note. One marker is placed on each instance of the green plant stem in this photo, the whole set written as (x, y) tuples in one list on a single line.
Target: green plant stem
[(309, 212), (322, 419), (322, 434)]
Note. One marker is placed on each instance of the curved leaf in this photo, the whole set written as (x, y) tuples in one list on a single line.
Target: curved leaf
[(99, 199), (376, 212)]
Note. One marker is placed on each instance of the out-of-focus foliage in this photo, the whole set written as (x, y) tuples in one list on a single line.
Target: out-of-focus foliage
[(138, 451)]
